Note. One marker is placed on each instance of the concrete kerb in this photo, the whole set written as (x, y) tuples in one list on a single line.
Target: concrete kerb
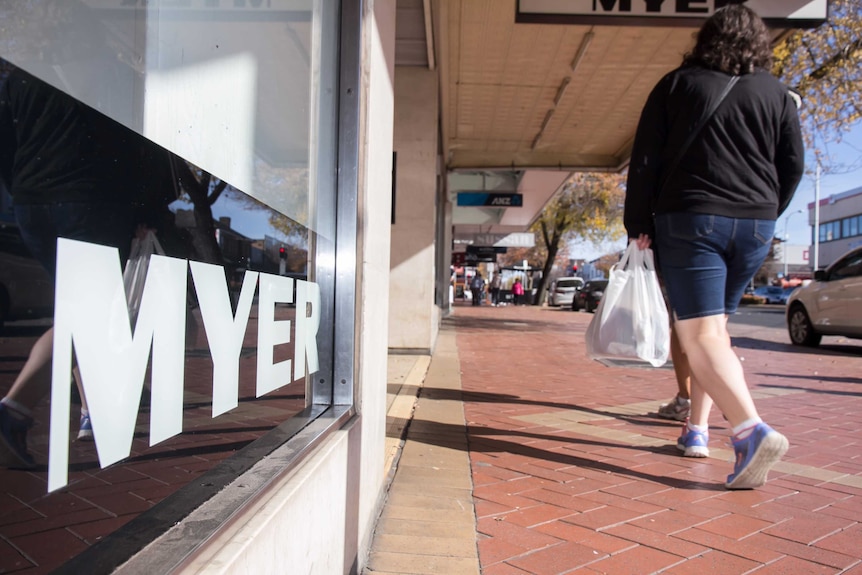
[(428, 522)]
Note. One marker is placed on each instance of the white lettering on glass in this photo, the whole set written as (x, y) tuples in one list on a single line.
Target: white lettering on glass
[(92, 317), (91, 313), (218, 318), (270, 333), (307, 294)]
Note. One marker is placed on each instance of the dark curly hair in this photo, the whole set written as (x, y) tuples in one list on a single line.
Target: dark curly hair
[(734, 40)]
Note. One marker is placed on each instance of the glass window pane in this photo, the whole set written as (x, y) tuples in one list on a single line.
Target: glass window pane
[(209, 126)]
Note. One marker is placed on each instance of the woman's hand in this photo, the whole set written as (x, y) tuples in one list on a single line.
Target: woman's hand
[(643, 241)]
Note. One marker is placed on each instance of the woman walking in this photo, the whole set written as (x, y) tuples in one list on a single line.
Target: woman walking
[(716, 159)]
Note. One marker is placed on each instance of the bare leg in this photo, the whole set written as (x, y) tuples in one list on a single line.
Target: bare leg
[(717, 369), (681, 369), (34, 381), (701, 405), (76, 372)]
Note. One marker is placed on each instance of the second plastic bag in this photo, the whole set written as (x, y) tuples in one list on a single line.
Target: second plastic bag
[(631, 321), (135, 272)]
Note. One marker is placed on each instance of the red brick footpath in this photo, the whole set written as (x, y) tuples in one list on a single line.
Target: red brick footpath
[(573, 473)]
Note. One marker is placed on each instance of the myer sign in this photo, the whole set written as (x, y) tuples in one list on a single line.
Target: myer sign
[(92, 314), (778, 13)]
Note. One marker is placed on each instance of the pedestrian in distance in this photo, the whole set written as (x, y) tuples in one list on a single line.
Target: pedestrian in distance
[(716, 159), (518, 292), (496, 284), (477, 286)]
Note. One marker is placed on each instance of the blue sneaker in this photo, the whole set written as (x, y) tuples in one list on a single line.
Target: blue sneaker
[(13, 440), (755, 456), (693, 443), (85, 429)]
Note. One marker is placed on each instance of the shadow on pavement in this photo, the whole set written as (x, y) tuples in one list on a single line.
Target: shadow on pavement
[(508, 323), (651, 419), (478, 441), (825, 349), (822, 391)]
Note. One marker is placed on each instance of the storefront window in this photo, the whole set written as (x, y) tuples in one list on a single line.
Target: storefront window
[(167, 238)]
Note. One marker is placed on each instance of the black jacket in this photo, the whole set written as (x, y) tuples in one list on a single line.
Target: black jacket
[(746, 161), (56, 149)]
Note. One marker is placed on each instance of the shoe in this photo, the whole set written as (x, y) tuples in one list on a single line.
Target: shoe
[(85, 429), (677, 408), (755, 456), (13, 440), (693, 443)]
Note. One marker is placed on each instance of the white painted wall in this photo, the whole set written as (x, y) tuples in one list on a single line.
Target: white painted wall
[(320, 519), (413, 315), (378, 66)]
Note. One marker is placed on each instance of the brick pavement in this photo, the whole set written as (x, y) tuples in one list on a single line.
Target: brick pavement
[(97, 502), (572, 473)]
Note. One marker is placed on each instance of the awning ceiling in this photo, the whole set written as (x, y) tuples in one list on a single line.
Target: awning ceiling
[(522, 97)]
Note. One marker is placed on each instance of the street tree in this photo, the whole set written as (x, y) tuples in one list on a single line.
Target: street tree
[(590, 207), (824, 66)]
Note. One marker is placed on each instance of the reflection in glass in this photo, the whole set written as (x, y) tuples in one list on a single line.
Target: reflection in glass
[(240, 88), (229, 96)]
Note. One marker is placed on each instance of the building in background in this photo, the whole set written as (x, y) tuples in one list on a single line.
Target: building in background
[(840, 225)]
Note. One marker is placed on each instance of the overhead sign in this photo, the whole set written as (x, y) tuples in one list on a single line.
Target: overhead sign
[(489, 251), (518, 240), (493, 199), (776, 13), (461, 259)]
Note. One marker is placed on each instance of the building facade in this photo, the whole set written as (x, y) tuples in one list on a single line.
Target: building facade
[(836, 224)]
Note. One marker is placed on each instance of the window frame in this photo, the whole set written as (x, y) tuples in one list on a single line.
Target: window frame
[(333, 390)]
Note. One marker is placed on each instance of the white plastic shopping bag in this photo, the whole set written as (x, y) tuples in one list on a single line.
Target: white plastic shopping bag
[(631, 321), (135, 272)]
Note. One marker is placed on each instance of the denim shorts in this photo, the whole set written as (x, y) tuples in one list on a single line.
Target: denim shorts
[(707, 260)]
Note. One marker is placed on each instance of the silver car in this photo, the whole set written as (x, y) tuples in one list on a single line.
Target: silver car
[(562, 291), (830, 305)]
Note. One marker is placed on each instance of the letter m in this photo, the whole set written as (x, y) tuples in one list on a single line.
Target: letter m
[(92, 316), (608, 5)]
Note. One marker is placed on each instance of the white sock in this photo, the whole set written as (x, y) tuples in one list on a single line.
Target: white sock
[(85, 412), (745, 428), (17, 409), (698, 428)]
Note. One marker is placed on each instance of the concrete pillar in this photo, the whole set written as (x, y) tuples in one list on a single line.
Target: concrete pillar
[(413, 313)]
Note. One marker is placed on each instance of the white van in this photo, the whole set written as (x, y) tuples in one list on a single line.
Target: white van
[(562, 291)]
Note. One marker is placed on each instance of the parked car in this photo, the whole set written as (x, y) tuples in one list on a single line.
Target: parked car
[(590, 295), (562, 291), (830, 305), (771, 294)]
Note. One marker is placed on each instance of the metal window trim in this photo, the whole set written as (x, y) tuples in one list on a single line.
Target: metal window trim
[(347, 212)]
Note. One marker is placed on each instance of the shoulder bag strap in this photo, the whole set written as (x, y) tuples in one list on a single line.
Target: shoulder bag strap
[(696, 130)]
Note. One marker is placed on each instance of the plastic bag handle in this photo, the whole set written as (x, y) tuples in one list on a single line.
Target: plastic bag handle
[(649, 259)]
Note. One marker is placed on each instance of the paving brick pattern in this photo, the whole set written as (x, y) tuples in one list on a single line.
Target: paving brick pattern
[(573, 473), (41, 531)]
